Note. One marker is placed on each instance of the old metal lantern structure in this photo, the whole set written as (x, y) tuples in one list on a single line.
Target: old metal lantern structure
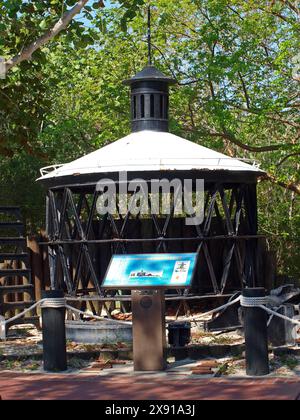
[(82, 242)]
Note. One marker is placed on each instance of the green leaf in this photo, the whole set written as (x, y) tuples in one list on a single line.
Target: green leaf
[(43, 24)]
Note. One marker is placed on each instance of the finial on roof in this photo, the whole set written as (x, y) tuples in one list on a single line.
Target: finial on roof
[(150, 94), (149, 36)]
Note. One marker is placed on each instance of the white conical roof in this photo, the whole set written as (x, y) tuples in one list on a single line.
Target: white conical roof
[(150, 151)]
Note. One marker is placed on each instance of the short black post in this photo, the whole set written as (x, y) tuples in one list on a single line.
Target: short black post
[(54, 335), (256, 336)]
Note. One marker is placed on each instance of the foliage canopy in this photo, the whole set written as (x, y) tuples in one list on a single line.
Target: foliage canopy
[(237, 66)]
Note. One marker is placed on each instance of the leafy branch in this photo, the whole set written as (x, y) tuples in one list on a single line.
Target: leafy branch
[(291, 186), (62, 24)]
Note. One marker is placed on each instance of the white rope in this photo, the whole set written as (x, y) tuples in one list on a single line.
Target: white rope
[(43, 303), (95, 316), (270, 320), (15, 318), (81, 312), (253, 302), (54, 303), (4, 322), (220, 308), (247, 302), (272, 316), (261, 302), (61, 302), (286, 318)]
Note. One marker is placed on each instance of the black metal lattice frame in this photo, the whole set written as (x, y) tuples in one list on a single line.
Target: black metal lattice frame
[(71, 222)]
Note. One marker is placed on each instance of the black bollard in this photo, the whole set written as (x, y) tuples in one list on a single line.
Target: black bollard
[(256, 336), (54, 335)]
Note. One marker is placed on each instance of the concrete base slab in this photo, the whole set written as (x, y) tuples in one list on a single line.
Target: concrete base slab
[(104, 332)]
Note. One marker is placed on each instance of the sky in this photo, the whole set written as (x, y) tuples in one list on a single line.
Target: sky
[(81, 17)]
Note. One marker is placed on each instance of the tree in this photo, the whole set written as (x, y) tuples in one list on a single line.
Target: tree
[(25, 43), (46, 12), (238, 92), (60, 25), (28, 90)]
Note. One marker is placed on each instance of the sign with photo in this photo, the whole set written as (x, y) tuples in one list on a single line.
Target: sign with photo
[(150, 271)]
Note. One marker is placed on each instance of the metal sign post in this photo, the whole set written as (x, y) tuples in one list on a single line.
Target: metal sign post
[(149, 330), (148, 276)]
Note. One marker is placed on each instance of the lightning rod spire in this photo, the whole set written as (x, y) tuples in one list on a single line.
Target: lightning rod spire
[(149, 36)]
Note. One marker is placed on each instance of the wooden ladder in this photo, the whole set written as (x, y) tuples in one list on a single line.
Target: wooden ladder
[(17, 291)]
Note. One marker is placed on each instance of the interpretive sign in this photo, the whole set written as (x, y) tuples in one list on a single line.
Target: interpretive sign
[(150, 271)]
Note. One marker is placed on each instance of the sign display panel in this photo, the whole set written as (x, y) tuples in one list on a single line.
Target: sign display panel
[(150, 271)]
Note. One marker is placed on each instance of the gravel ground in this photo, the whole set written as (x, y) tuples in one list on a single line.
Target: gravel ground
[(25, 341)]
